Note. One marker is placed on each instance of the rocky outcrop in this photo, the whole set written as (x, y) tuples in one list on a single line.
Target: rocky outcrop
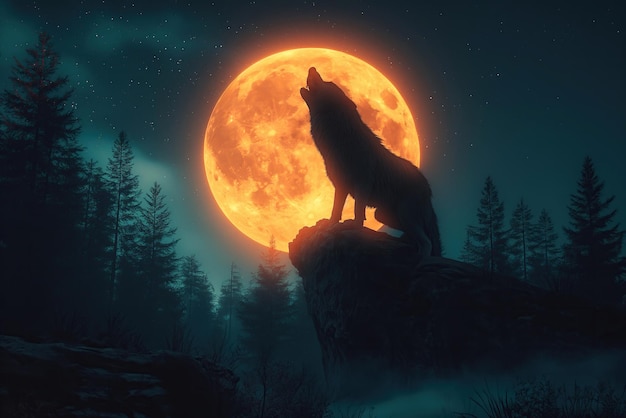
[(379, 310), (60, 380)]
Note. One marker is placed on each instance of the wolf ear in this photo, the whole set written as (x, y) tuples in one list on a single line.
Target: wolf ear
[(306, 95)]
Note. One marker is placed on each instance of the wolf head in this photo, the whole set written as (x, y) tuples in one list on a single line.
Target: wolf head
[(323, 95)]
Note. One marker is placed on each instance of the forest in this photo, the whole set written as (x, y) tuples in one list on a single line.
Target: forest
[(87, 257)]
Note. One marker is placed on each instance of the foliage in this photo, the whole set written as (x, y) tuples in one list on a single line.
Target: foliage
[(180, 340), (594, 240), (266, 308), (124, 186), (197, 297), (281, 390), (540, 398), (116, 333), (488, 246), (42, 152), (74, 239), (156, 303), (545, 253), (40, 169), (521, 233), (96, 243), (227, 320), (305, 345), (469, 250)]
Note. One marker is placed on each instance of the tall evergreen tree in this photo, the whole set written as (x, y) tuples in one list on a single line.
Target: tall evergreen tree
[(157, 305), (469, 250), (124, 185), (522, 230), (489, 238), (227, 320), (40, 181), (545, 252), (593, 240), (266, 309), (306, 349), (96, 224), (197, 296), (42, 151)]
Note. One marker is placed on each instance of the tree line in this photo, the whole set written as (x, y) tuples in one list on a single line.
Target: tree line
[(78, 238), (86, 255), (587, 262)]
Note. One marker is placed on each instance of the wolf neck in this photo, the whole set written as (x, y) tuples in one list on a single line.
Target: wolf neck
[(334, 131)]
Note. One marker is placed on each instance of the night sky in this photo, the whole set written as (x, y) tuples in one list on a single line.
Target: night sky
[(517, 92)]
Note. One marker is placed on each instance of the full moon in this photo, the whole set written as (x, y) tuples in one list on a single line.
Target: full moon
[(261, 164)]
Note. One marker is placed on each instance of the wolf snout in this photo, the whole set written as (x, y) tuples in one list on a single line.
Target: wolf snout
[(313, 79)]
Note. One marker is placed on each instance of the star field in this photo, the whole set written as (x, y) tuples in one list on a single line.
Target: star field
[(517, 92)]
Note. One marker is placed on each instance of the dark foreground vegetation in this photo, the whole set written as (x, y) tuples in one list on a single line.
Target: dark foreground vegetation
[(542, 399)]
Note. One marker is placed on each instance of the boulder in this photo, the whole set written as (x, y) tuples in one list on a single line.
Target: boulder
[(62, 380), (381, 313)]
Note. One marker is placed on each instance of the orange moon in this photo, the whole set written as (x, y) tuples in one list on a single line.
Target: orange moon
[(261, 164)]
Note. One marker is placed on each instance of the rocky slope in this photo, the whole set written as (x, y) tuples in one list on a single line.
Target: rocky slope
[(61, 380)]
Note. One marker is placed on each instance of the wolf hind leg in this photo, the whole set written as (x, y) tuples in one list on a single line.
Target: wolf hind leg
[(412, 224), (386, 217)]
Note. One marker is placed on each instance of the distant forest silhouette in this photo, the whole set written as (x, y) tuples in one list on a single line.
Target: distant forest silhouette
[(86, 255), (590, 262)]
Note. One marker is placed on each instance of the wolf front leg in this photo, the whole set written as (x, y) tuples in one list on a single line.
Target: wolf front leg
[(340, 200)]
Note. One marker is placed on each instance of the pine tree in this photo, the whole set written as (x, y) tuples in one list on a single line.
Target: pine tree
[(469, 250), (489, 238), (158, 303), (41, 150), (231, 295), (40, 185), (545, 252), (124, 185), (197, 297), (96, 224), (593, 241), (306, 349), (266, 309), (522, 230)]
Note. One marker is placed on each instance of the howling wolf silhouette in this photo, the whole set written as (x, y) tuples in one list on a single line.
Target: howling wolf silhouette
[(358, 164)]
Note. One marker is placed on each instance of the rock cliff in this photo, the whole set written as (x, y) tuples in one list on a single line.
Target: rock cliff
[(381, 312)]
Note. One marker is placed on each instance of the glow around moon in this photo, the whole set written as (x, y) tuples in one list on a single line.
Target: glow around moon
[(260, 160)]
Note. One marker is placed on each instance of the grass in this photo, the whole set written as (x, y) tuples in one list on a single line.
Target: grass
[(539, 398)]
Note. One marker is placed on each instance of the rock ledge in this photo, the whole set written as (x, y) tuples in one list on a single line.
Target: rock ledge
[(377, 308)]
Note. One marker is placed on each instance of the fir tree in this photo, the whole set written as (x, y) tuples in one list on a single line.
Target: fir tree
[(197, 297), (96, 224), (231, 295), (593, 240), (124, 185), (40, 182), (306, 349), (522, 230), (266, 308), (489, 238), (469, 250), (544, 252), (41, 150), (157, 303)]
